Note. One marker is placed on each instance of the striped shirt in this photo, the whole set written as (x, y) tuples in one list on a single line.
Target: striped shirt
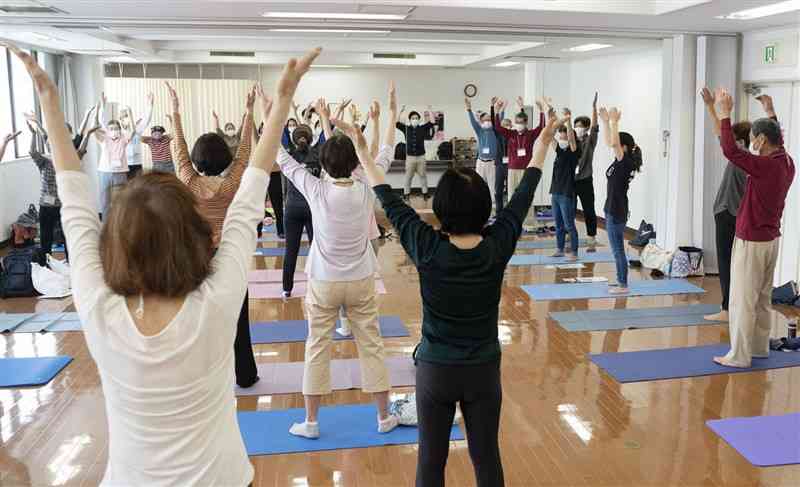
[(214, 193), (159, 148), (49, 192)]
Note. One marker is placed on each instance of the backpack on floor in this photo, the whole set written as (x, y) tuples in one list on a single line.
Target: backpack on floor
[(687, 262), (786, 294), (645, 233), (15, 274)]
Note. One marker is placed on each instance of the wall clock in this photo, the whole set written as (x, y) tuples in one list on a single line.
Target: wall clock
[(470, 90)]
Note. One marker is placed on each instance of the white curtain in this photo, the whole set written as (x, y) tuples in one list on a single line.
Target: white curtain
[(198, 98), (67, 92)]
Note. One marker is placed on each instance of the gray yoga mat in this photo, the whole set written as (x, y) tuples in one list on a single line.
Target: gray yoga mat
[(39, 322), (287, 377), (549, 243), (583, 257), (631, 319)]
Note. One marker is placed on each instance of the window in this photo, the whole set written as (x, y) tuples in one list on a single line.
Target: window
[(17, 97)]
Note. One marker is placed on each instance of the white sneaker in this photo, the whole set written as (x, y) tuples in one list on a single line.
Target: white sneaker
[(305, 430), (386, 425), (591, 242), (344, 327)]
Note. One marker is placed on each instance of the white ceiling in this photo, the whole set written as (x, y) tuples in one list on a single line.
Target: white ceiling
[(466, 33)]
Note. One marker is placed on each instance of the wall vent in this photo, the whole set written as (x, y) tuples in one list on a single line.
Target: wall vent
[(20, 8), (394, 55), (232, 54)]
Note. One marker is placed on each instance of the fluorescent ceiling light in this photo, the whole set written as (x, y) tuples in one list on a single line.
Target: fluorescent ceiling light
[(329, 15), (334, 66), (505, 64), (587, 47), (765, 11), (334, 31)]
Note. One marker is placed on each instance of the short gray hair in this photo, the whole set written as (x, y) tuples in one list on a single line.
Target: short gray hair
[(770, 128)]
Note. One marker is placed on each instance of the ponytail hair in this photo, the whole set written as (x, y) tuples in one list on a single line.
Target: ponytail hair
[(634, 151)]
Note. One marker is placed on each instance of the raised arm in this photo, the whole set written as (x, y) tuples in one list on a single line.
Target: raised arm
[(142, 124), (101, 112), (85, 123), (573, 143), (242, 157), (594, 110), (185, 172), (476, 127), (737, 156), (324, 112), (610, 121), (374, 116), (709, 100), (7, 140)]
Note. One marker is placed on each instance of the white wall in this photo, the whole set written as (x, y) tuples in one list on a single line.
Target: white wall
[(787, 66), (631, 82)]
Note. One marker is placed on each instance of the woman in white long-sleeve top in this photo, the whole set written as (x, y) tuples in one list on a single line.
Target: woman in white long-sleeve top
[(158, 311)]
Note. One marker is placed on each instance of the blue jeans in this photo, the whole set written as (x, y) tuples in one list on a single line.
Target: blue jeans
[(109, 184), (616, 238), (564, 213)]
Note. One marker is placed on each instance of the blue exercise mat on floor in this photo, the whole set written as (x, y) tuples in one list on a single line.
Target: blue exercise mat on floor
[(278, 251), (677, 363), (341, 427), (631, 319), (34, 371), (546, 244), (39, 322), (297, 330), (11, 321), (558, 292), (583, 257), (765, 441), (58, 248)]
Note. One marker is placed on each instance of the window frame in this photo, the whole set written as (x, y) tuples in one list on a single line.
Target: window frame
[(13, 103)]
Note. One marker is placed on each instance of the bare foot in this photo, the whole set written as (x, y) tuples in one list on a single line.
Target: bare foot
[(725, 363), (721, 316)]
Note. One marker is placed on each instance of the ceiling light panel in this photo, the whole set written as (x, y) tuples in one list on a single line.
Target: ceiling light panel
[(333, 16), (764, 11), (587, 47)]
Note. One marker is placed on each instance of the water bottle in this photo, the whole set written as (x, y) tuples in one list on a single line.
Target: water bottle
[(792, 332)]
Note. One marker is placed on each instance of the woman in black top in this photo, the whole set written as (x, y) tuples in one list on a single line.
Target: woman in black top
[(461, 270), (298, 213), (627, 162)]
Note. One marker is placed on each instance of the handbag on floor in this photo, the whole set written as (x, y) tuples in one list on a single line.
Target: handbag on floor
[(656, 258), (16, 274), (644, 234), (687, 262), (786, 294)]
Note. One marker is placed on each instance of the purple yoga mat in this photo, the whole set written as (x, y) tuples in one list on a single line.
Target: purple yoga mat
[(274, 275), (287, 378), (273, 290), (765, 441)]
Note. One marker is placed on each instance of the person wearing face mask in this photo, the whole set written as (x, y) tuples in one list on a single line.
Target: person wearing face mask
[(586, 133), (487, 146), (159, 143), (562, 188), (501, 158), (726, 204), (415, 133), (133, 151), (230, 135), (288, 131), (520, 142), (770, 172), (627, 162), (112, 169), (298, 213)]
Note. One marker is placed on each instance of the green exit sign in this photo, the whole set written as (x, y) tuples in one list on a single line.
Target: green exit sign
[(770, 54)]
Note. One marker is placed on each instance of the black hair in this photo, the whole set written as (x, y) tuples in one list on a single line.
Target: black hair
[(522, 115), (230, 124), (769, 128), (583, 121), (562, 129), (292, 120), (303, 131), (462, 202), (157, 128), (69, 127), (114, 122), (414, 113), (634, 150), (211, 154), (338, 156), (741, 131)]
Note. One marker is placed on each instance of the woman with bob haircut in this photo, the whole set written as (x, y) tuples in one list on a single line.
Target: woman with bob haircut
[(461, 268), (158, 310)]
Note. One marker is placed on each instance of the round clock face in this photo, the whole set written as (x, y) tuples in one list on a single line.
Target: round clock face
[(470, 90)]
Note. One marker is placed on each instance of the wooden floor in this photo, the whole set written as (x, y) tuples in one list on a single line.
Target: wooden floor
[(564, 421)]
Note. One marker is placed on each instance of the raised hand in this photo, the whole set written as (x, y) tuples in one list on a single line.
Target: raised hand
[(8, 138), (345, 102), (266, 102), (708, 97), (494, 101), (103, 98), (521, 102), (403, 109), (540, 105), (151, 99), (355, 134), (375, 110), (323, 110), (567, 113), (614, 114), (768, 104), (501, 105), (294, 71), (173, 96), (393, 97), (603, 114), (594, 103), (724, 102), (468, 104), (251, 99)]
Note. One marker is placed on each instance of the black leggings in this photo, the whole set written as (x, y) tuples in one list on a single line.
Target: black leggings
[(297, 218), (500, 177), (479, 391), (726, 233), (584, 189), (49, 217), (275, 191), (244, 360)]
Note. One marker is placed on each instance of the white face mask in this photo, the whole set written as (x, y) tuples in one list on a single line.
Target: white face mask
[(580, 132), (754, 151), (114, 133), (230, 132), (292, 129), (486, 125), (740, 144), (414, 122), (563, 144), (519, 127)]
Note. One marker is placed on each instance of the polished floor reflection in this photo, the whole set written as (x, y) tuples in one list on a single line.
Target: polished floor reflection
[(564, 421)]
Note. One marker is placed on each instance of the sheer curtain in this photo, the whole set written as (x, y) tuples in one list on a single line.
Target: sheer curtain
[(198, 98), (68, 93)]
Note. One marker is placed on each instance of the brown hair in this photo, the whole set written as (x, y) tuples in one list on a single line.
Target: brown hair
[(741, 131), (154, 240)]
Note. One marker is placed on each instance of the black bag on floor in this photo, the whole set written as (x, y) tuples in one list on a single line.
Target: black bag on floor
[(786, 294), (645, 233), (15, 274), (400, 151)]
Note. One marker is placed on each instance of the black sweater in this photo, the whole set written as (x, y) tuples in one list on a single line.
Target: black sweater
[(460, 288)]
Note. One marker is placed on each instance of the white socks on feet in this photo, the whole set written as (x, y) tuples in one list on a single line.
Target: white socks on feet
[(344, 328), (386, 425), (305, 429)]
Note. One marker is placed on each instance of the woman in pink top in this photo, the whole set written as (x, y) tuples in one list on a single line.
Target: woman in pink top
[(113, 166)]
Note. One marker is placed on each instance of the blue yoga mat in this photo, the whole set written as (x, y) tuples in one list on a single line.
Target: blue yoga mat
[(558, 292), (11, 321), (297, 330), (34, 371), (58, 248), (39, 322), (278, 251), (765, 441), (631, 319), (676, 363), (583, 257), (547, 244), (341, 427)]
